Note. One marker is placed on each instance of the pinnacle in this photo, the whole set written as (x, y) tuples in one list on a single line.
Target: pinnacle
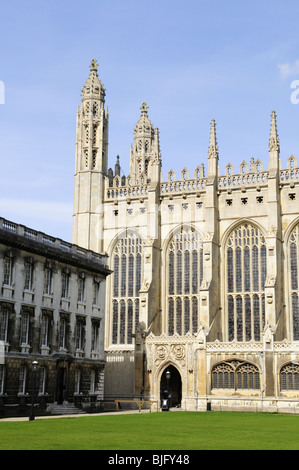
[(144, 109), (94, 66), (274, 139), (213, 146), (93, 84)]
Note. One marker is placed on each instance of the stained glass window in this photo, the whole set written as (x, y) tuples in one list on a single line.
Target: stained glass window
[(194, 315), (126, 284), (187, 314), (230, 270), (294, 290), (231, 318), (289, 377), (131, 276), (179, 315), (185, 272), (114, 321), (130, 320), (116, 276), (194, 271), (171, 273), (235, 375), (247, 318), (256, 318), (171, 316), (179, 272), (295, 310), (294, 267), (245, 281)]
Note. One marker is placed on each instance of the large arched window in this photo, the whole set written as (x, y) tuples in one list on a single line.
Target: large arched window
[(294, 288), (184, 265), (235, 375), (289, 377), (245, 280), (126, 284)]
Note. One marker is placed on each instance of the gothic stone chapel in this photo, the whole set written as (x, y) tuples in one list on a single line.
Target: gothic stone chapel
[(205, 268)]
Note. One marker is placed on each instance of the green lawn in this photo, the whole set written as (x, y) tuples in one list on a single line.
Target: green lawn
[(155, 431)]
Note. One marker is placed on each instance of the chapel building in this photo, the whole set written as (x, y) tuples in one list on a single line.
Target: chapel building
[(205, 268)]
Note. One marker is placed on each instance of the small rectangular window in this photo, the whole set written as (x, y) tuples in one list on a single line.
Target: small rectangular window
[(79, 336), (42, 381), (81, 290), (25, 328), (3, 325), (48, 281), (7, 271), (62, 334), (28, 276), (45, 330), (22, 380)]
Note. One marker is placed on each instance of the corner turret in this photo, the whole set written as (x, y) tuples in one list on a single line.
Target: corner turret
[(145, 156)]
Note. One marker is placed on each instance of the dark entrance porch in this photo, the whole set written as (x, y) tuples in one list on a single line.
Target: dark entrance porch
[(173, 385)]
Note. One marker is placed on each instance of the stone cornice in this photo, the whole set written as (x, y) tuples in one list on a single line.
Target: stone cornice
[(18, 236)]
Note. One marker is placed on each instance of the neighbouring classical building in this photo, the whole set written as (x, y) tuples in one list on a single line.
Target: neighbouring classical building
[(52, 304), (205, 268)]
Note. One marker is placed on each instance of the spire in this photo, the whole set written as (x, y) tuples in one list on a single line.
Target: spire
[(92, 124), (213, 152), (93, 87), (274, 139), (145, 152), (117, 167), (213, 146), (274, 148), (144, 128)]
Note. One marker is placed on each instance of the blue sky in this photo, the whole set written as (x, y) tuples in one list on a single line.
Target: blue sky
[(191, 61)]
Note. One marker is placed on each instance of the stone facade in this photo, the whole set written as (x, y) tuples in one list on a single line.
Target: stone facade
[(205, 268), (52, 305)]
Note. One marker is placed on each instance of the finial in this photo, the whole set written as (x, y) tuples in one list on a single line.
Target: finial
[(94, 66), (274, 139), (213, 146), (117, 166), (144, 109)]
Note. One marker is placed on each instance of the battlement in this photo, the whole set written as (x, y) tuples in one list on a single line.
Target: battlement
[(249, 175)]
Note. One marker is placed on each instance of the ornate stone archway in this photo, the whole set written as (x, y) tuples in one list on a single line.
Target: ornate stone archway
[(180, 352)]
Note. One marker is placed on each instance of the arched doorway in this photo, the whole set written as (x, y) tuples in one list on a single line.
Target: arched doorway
[(173, 385)]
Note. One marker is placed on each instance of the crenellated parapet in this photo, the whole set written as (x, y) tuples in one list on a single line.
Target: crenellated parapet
[(249, 175), (126, 191), (184, 185), (291, 174)]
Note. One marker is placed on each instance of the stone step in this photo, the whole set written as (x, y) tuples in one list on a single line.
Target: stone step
[(64, 409)]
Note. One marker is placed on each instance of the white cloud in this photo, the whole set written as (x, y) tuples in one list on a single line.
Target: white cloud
[(289, 69)]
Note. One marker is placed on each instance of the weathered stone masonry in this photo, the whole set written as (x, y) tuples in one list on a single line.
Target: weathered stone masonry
[(52, 305)]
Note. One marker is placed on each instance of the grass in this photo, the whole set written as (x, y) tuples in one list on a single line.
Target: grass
[(155, 431)]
